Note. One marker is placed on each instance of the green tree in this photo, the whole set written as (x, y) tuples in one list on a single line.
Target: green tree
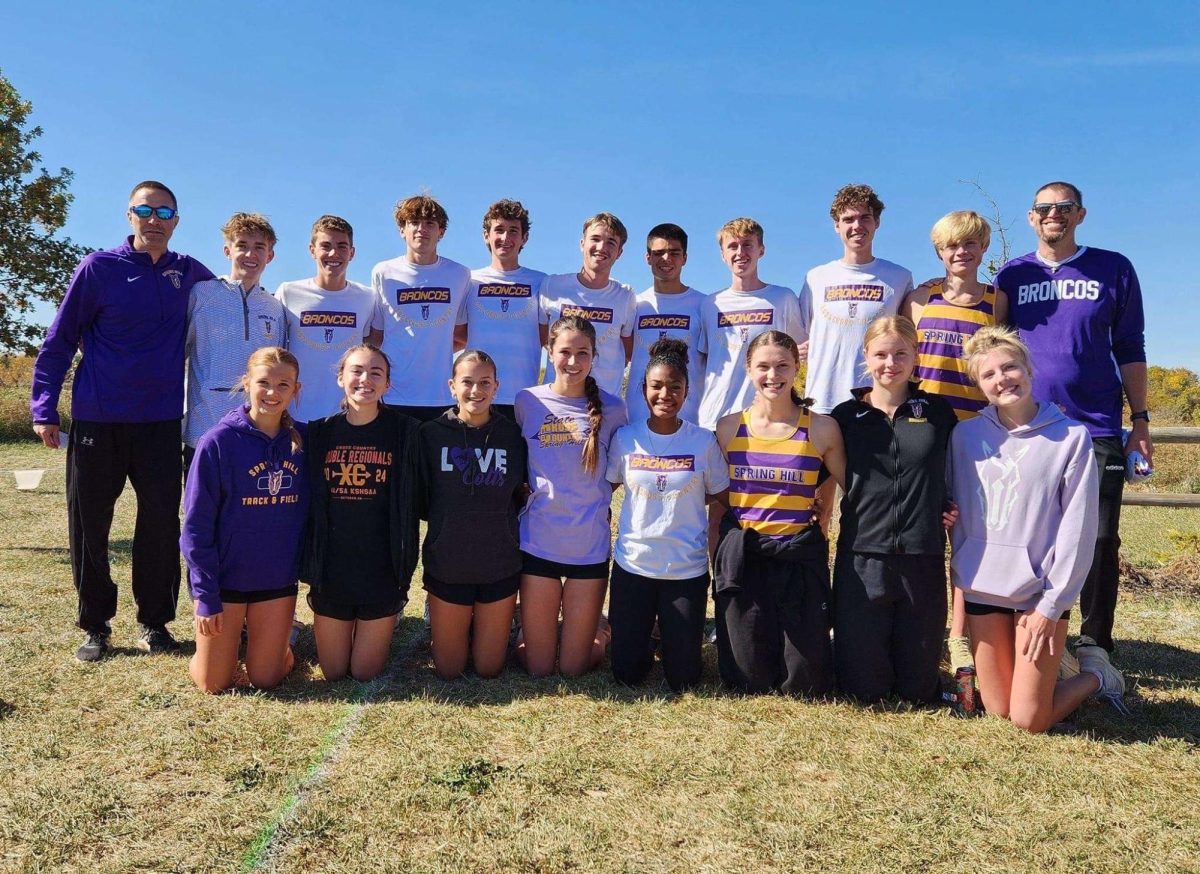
[(34, 265)]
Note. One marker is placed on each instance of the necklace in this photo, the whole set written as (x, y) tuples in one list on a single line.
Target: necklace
[(671, 439)]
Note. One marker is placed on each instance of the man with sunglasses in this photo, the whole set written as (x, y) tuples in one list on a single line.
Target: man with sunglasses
[(1079, 309), (126, 311)]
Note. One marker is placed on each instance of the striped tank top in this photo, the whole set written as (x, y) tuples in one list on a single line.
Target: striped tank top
[(941, 332), (772, 481)]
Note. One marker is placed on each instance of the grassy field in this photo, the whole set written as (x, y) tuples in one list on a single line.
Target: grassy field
[(123, 766)]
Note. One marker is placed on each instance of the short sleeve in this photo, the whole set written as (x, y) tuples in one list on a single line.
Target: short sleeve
[(716, 469)]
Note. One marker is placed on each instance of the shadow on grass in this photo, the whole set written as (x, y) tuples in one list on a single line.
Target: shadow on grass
[(1160, 667)]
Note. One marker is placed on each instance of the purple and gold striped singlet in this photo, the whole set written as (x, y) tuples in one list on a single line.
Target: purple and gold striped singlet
[(941, 332), (772, 481)]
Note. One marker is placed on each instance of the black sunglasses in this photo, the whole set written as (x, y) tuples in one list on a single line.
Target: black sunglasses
[(1064, 207)]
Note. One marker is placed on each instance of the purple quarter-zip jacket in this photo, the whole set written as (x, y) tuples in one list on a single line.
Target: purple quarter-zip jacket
[(129, 317)]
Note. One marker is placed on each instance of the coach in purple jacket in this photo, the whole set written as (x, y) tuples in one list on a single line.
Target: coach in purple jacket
[(126, 311), (1079, 310)]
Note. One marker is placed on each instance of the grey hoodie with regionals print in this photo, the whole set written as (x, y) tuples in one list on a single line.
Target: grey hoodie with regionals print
[(1027, 501)]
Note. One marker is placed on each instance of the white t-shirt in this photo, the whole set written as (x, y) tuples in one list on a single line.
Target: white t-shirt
[(321, 325), (666, 315), (611, 310), (663, 530), (502, 320), (729, 321), (837, 303), (421, 304)]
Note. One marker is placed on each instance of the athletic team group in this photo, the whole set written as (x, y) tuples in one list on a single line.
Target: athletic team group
[(993, 411)]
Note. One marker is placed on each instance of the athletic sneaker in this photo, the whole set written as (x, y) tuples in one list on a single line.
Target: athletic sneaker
[(294, 634), (960, 652), (155, 639), (94, 647), (1094, 660), (1068, 667)]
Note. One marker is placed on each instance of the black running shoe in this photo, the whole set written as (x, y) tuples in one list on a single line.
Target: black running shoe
[(94, 647), (155, 639)]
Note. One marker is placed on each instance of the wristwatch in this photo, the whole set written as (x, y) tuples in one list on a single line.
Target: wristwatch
[(1144, 415)]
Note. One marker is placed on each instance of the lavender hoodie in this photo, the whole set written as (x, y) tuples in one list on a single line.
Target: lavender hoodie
[(1027, 500)]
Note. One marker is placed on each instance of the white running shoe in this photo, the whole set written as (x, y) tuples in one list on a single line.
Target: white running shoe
[(1094, 660), (1068, 667)]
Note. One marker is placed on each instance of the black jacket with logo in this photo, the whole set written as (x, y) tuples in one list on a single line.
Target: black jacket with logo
[(895, 474)]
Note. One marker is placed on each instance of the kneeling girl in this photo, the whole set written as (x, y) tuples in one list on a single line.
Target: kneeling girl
[(244, 511), (1024, 477), (889, 578), (771, 571), (361, 548), (470, 476), (670, 469), (565, 533)]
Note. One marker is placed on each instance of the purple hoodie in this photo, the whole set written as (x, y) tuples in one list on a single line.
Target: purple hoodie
[(243, 512), (129, 316), (1027, 501)]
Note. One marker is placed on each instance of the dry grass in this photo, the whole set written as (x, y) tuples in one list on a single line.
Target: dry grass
[(122, 766)]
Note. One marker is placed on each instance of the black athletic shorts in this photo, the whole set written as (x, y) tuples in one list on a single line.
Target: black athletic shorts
[(557, 570), (974, 609), (233, 596), (344, 612), (466, 595)]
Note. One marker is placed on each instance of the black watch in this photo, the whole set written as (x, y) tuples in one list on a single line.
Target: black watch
[(1144, 415)]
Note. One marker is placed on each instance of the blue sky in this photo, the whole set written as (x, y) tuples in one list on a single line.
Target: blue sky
[(687, 112)]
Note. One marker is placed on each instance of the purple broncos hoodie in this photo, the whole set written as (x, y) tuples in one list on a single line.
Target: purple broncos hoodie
[(243, 512), (1027, 500)]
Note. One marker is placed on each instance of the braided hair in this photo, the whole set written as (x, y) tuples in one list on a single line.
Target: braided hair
[(591, 389), (783, 341), (273, 356)]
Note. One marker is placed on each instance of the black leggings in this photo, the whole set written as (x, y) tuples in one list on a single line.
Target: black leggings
[(633, 604)]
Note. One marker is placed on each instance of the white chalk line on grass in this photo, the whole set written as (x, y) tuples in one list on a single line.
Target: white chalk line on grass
[(267, 845)]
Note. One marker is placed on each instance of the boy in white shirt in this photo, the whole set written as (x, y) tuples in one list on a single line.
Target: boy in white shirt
[(326, 315), (422, 296), (609, 305), (668, 308), (841, 298), (731, 318), (502, 304)]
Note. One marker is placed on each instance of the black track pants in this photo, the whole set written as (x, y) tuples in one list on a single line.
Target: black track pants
[(889, 620), (100, 456)]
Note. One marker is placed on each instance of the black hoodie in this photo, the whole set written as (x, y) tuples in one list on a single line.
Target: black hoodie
[(468, 481)]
